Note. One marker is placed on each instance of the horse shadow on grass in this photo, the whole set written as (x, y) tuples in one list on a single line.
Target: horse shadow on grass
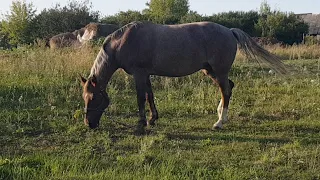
[(263, 136), (227, 138)]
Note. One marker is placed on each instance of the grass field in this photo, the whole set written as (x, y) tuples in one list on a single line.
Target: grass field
[(272, 133)]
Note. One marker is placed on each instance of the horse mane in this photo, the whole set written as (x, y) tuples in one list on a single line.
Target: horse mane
[(121, 30), (101, 59)]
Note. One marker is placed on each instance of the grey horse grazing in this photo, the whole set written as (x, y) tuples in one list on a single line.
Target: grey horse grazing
[(67, 39), (97, 30), (144, 49)]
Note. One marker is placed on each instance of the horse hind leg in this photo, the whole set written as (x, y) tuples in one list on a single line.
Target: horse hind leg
[(225, 86), (221, 104)]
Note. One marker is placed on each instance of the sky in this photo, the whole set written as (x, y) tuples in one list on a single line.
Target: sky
[(204, 7)]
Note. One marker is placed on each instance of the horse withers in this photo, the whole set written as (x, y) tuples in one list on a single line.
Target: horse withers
[(143, 49)]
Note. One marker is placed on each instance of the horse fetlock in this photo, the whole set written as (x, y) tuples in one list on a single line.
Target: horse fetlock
[(152, 121), (153, 117), (224, 115), (224, 119), (142, 122)]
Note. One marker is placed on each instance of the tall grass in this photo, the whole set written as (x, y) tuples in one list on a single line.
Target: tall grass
[(294, 52), (273, 129), (47, 62), (70, 61)]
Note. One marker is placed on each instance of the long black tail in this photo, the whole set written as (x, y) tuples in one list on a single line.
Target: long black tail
[(252, 50)]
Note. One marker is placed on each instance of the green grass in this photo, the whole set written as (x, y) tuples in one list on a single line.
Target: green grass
[(272, 133)]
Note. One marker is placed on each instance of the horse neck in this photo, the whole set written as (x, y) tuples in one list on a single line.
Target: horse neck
[(103, 69)]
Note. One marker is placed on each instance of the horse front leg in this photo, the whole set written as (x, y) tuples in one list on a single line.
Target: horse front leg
[(153, 109), (141, 88)]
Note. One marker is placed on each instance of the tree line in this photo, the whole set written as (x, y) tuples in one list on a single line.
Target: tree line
[(23, 26)]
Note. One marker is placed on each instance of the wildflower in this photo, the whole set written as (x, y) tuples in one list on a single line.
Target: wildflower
[(271, 72), (20, 99)]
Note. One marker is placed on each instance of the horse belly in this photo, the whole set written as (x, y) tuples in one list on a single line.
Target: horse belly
[(177, 65), (174, 72)]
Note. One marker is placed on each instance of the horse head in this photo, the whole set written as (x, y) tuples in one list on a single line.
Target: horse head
[(96, 101)]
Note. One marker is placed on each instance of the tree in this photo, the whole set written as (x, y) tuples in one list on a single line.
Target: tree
[(261, 26), (191, 16), (124, 17), (238, 19), (4, 40), (167, 11), (110, 19), (285, 27), (16, 25), (74, 15)]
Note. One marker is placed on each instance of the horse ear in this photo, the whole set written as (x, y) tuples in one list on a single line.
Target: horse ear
[(93, 81), (83, 80)]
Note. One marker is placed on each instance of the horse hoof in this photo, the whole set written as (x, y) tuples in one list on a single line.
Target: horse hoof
[(140, 128), (140, 131), (217, 126)]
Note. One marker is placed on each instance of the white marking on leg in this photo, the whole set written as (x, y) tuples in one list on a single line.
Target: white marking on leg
[(224, 115), (223, 118), (219, 109)]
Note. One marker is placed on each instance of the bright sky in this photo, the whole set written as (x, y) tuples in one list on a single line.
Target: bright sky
[(204, 7)]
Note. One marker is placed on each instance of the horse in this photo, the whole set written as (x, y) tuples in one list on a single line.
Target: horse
[(67, 39), (96, 30), (142, 49)]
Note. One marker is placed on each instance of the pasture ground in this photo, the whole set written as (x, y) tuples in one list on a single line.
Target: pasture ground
[(272, 133)]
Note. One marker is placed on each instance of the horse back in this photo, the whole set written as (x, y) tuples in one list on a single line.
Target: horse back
[(175, 50)]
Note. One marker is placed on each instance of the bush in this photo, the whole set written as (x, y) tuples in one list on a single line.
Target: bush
[(57, 20), (239, 19), (124, 17)]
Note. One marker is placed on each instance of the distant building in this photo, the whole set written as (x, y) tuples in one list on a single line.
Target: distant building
[(313, 20), (303, 15)]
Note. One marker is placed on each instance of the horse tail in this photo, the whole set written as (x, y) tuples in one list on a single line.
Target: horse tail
[(253, 51)]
